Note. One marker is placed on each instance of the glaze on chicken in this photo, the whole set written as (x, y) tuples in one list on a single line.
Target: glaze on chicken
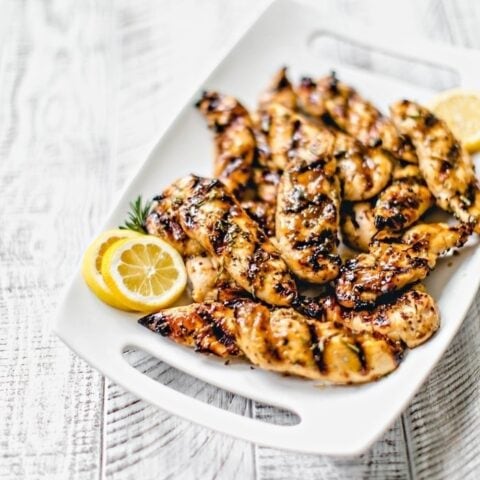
[(307, 219), (280, 90), (412, 319), (234, 139), (308, 201), (263, 213), (329, 98), (164, 222), (209, 214), (446, 166), (357, 222), (391, 266), (403, 202), (281, 128), (266, 172), (363, 171), (208, 281), (279, 339), (341, 347)]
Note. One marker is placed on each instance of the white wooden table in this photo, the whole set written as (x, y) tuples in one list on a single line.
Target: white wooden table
[(85, 89)]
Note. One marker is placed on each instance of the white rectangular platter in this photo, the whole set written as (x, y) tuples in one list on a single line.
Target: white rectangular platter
[(333, 420)]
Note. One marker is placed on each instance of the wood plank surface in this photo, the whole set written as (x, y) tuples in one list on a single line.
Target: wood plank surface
[(85, 90), (55, 159)]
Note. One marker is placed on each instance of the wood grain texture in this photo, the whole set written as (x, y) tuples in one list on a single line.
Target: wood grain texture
[(140, 437), (85, 90), (54, 157), (386, 459)]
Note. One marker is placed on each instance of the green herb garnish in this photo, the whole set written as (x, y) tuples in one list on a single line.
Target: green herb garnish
[(137, 216)]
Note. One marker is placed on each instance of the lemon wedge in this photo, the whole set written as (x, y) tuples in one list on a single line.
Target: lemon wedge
[(460, 109), (92, 264), (144, 273)]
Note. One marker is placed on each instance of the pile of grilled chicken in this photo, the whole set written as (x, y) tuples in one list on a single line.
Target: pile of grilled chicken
[(314, 163)]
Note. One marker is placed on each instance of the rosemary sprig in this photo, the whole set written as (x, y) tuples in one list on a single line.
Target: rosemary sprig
[(137, 215)]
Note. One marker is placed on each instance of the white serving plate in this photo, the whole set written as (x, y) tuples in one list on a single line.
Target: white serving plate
[(333, 420)]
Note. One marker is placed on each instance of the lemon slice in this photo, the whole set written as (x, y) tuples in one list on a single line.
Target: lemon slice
[(144, 273), (92, 264), (461, 111)]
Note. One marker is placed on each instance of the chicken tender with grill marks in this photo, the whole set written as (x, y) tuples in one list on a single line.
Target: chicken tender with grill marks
[(285, 341), (389, 267), (409, 319), (279, 339), (207, 327), (234, 139), (446, 166), (357, 222), (369, 276), (363, 171), (307, 218), (308, 197), (308, 203), (212, 216), (284, 130), (266, 173), (280, 90), (435, 239), (328, 97), (163, 221), (403, 202)]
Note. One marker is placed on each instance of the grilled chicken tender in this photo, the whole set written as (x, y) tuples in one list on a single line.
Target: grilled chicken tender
[(280, 340), (206, 327), (280, 90), (213, 217), (399, 206), (281, 126), (164, 222), (412, 319), (435, 239), (341, 103), (266, 173), (389, 267), (234, 139), (308, 203), (446, 166), (307, 218), (357, 222), (363, 171), (403, 202)]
